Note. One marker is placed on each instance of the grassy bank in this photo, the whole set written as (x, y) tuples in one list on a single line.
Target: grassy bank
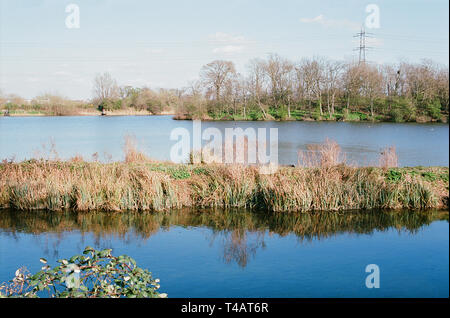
[(136, 186), (274, 114)]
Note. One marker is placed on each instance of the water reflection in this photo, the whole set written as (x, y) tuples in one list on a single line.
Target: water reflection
[(240, 233)]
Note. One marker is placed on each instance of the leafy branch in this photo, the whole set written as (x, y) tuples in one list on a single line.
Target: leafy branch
[(92, 274)]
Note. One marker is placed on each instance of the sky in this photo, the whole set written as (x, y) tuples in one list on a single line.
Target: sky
[(164, 44)]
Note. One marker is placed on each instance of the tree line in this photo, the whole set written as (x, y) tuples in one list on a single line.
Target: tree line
[(278, 88), (313, 88)]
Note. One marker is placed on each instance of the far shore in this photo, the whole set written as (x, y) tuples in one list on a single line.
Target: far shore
[(132, 112), (92, 113)]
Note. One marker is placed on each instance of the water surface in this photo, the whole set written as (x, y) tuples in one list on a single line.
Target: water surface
[(24, 137), (248, 254)]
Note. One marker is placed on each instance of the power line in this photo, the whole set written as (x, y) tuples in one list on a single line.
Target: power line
[(362, 44)]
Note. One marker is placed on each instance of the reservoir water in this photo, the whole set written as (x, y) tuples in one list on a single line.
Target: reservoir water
[(239, 253), (28, 137)]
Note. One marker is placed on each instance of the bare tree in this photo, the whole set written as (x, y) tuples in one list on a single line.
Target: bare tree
[(333, 72), (300, 89), (372, 83), (235, 90), (278, 70), (313, 75), (392, 83), (215, 75), (351, 81), (194, 88), (256, 81), (105, 87)]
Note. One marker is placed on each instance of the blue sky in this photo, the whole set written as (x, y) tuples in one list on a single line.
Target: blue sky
[(165, 43)]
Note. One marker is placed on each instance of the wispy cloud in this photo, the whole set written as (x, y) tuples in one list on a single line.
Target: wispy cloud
[(332, 23), (227, 38), (229, 43), (318, 19), (229, 49)]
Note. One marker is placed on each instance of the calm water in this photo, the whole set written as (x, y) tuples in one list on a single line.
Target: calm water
[(238, 253), (243, 254), (416, 144)]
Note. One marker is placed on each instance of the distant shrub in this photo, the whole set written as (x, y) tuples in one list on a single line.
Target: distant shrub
[(11, 106), (280, 113), (255, 115), (316, 116), (434, 109), (402, 110), (397, 115), (360, 115), (108, 104), (351, 116)]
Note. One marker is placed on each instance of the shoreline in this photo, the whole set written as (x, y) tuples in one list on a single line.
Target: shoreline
[(176, 116), (314, 120), (209, 119), (355, 117), (97, 113)]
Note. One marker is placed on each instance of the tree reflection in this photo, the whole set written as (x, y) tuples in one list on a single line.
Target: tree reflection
[(242, 233)]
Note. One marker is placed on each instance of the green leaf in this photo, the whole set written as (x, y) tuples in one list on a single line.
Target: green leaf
[(88, 249), (106, 275)]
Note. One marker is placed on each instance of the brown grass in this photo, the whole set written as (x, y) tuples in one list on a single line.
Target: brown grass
[(388, 158), (92, 186), (323, 183), (132, 154), (324, 155)]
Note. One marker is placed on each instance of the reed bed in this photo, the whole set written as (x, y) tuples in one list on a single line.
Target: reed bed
[(322, 181), (142, 186)]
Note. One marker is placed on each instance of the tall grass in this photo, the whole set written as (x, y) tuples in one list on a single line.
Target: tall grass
[(388, 158), (119, 187), (323, 182), (327, 154), (132, 154)]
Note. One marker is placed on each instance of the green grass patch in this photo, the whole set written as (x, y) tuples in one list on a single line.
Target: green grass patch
[(394, 175)]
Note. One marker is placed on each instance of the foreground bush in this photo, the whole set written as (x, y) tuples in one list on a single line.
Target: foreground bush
[(93, 274)]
